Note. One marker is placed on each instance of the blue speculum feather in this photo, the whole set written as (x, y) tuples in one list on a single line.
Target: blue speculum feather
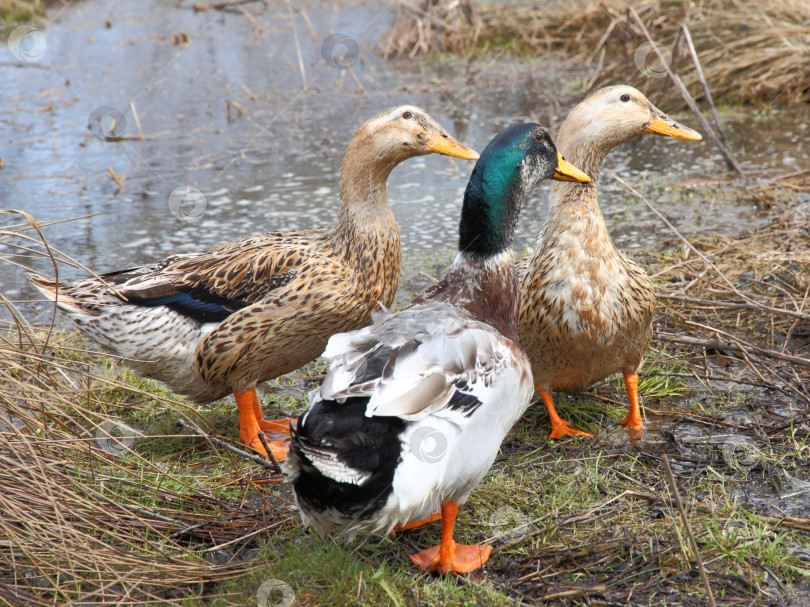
[(185, 304)]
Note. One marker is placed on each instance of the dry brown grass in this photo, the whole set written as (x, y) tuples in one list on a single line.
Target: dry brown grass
[(736, 308), (85, 518), (751, 52), (90, 518)]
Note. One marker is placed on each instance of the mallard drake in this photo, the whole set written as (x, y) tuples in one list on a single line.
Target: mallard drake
[(586, 309), (414, 408), (248, 311)]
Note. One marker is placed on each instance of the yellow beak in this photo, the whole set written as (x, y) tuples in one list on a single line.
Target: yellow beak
[(661, 124), (566, 171), (442, 143)]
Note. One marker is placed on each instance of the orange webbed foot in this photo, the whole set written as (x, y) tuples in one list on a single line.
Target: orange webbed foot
[(559, 427), (279, 449), (251, 426), (449, 556), (254, 442), (277, 426), (460, 559), (564, 429), (633, 422)]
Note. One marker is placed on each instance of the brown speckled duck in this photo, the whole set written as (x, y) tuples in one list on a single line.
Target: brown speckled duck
[(248, 311), (586, 309)]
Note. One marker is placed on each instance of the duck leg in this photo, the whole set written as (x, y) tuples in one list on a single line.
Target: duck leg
[(418, 523), (276, 426), (633, 419), (249, 428), (449, 556), (559, 427)]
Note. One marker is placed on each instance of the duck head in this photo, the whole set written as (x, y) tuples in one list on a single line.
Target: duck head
[(611, 116), (511, 165), (406, 131)]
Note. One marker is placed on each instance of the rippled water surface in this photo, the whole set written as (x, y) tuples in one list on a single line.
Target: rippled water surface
[(225, 107)]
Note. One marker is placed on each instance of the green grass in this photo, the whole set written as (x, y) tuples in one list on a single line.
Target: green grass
[(330, 572), (586, 514), (14, 12)]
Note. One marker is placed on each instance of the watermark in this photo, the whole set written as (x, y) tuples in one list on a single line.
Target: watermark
[(340, 51), (107, 122), (803, 214), (428, 444), (509, 523), (649, 62), (115, 437), (275, 593), (187, 204), (27, 43), (740, 453)]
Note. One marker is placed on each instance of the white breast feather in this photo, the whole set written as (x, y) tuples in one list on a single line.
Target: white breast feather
[(328, 465)]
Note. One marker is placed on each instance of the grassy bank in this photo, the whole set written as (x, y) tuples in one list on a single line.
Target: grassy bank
[(106, 501), (751, 52)]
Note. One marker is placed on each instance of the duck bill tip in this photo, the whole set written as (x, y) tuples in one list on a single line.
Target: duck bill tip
[(660, 124), (565, 171), (444, 144)]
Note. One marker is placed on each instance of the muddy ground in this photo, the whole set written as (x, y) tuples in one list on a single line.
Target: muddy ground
[(253, 110)]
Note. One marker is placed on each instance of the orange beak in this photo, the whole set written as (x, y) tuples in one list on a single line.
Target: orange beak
[(442, 143), (661, 124), (566, 171)]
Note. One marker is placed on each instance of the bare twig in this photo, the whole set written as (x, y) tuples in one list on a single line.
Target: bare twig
[(706, 91), (714, 344), (729, 158), (249, 456), (733, 305), (703, 576), (137, 120)]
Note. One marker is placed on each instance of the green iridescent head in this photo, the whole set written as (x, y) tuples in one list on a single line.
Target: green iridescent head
[(510, 166)]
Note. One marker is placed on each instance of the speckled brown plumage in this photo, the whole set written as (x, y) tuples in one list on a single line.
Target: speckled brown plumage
[(248, 311), (587, 309)]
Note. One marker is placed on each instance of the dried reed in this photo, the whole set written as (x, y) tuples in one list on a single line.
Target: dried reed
[(751, 52), (85, 518)]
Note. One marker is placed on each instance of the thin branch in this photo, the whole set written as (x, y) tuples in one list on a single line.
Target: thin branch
[(249, 456), (730, 160), (703, 576)]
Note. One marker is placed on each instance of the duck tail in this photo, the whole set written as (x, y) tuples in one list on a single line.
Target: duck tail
[(65, 295)]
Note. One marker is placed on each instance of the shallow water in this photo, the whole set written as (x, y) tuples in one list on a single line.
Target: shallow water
[(276, 165)]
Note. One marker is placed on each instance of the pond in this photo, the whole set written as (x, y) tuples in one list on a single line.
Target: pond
[(253, 108)]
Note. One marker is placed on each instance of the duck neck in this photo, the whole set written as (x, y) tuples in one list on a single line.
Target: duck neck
[(491, 208), (483, 279), (573, 206), (365, 232), (486, 287)]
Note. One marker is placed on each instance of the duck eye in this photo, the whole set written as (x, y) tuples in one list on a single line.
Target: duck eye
[(625, 97), (407, 115)]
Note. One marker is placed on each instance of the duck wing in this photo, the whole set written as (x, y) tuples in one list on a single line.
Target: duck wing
[(428, 359), (211, 285)]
